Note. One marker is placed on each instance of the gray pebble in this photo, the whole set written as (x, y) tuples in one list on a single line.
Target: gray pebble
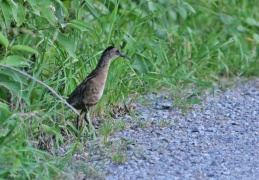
[(195, 129), (218, 139)]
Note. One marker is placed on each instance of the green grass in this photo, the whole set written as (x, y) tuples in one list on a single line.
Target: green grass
[(172, 45)]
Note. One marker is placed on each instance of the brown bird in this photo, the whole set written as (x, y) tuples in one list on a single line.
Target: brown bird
[(90, 90)]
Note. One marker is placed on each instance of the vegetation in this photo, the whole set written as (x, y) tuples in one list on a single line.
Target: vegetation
[(172, 44)]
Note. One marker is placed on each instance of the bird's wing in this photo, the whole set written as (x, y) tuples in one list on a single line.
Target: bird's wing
[(82, 86)]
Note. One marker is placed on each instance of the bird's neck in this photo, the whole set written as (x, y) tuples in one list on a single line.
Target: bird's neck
[(101, 72), (103, 67), (104, 62)]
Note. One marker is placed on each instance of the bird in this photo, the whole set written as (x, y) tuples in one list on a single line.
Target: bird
[(88, 93)]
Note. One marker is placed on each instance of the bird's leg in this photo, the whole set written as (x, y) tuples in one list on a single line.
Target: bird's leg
[(79, 119), (77, 122), (87, 117), (90, 125)]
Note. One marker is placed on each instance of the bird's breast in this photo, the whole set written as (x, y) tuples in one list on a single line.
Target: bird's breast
[(101, 91), (100, 82), (96, 87)]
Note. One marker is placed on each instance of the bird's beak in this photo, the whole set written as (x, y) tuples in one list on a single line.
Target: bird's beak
[(124, 56)]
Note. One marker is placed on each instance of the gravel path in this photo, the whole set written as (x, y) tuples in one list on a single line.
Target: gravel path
[(218, 139)]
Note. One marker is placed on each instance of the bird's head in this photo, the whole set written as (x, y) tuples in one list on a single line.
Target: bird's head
[(113, 52)]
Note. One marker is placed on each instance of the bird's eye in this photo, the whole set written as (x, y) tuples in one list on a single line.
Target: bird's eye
[(117, 51)]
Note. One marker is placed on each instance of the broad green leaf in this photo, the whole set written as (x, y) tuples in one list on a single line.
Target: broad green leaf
[(24, 48), (15, 88), (4, 112), (65, 11), (19, 14), (17, 163), (256, 37), (252, 22), (3, 40), (226, 19), (11, 87), (182, 11), (43, 9), (67, 44), (151, 6), (189, 7), (14, 75), (241, 28), (49, 15), (4, 108), (34, 6), (141, 64), (7, 12), (92, 10), (61, 12), (15, 60), (80, 25)]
